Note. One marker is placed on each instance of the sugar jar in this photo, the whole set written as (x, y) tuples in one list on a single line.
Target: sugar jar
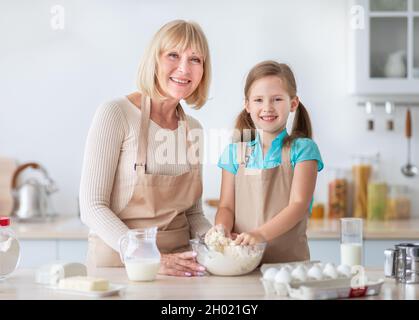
[(139, 252), (9, 249)]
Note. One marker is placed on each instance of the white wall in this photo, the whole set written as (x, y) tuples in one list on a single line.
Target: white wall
[(51, 82)]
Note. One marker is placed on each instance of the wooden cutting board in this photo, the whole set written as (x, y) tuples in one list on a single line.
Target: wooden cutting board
[(7, 168)]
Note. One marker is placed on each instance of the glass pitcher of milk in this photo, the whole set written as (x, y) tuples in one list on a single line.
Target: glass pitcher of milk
[(351, 241), (139, 252)]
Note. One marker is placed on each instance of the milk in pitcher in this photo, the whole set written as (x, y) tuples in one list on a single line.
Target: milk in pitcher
[(142, 270)]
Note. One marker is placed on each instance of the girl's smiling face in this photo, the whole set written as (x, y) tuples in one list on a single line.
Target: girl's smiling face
[(179, 73), (269, 104)]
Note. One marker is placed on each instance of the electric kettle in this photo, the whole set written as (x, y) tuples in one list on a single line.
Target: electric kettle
[(32, 197)]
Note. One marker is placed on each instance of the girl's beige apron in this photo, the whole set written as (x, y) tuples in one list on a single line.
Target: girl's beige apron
[(158, 200), (262, 194)]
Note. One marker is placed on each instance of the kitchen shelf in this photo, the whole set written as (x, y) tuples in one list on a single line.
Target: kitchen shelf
[(383, 104)]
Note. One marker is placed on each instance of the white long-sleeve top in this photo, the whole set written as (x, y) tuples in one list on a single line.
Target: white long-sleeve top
[(108, 179)]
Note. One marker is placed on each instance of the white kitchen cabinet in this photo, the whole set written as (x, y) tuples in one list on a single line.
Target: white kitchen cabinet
[(383, 47), (373, 255), (72, 250), (35, 253)]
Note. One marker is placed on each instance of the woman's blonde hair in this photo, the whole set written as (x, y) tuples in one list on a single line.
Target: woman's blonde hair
[(179, 35), (301, 127)]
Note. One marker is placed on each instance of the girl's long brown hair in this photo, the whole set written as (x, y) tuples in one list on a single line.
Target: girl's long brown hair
[(301, 127)]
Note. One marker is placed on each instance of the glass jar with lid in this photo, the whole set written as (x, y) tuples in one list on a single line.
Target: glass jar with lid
[(338, 194), (377, 194), (361, 172), (9, 249), (398, 203)]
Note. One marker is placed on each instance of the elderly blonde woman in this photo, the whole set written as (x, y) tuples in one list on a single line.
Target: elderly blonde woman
[(127, 181)]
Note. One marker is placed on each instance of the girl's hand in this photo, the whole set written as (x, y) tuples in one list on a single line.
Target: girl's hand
[(181, 264), (219, 228), (233, 235), (249, 238)]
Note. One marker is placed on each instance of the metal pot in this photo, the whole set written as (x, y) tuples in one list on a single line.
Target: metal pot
[(31, 197)]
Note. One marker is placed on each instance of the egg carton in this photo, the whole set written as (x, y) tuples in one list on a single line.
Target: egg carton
[(316, 280)]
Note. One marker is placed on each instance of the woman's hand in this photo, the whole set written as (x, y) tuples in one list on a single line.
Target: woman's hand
[(181, 264), (249, 238)]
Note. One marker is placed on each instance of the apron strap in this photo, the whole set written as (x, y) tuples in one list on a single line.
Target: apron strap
[(144, 125), (285, 155)]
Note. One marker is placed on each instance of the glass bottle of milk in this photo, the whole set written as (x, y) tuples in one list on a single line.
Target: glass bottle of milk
[(351, 241), (139, 253)]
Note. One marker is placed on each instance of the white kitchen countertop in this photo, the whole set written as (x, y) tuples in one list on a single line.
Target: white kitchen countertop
[(21, 285), (61, 227)]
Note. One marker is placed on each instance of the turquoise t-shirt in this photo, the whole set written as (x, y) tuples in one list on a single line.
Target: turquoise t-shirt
[(302, 149)]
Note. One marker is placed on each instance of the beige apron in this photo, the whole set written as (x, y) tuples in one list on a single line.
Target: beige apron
[(262, 194), (158, 200)]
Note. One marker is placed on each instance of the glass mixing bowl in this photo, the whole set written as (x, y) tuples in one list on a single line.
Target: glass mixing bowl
[(231, 261)]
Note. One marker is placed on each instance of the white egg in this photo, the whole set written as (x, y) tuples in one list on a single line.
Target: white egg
[(344, 270), (315, 273), (330, 271), (270, 273), (299, 273), (287, 267), (283, 276)]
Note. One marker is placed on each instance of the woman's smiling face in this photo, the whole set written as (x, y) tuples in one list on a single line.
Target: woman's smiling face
[(269, 104), (179, 73)]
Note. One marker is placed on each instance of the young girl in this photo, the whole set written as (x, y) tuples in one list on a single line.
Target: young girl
[(268, 182)]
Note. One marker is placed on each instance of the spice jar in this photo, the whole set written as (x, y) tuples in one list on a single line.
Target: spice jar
[(338, 194), (9, 249), (398, 203)]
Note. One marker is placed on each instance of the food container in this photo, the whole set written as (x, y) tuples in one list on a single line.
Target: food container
[(9, 249), (333, 289), (361, 174), (377, 195), (398, 203), (338, 194), (333, 282), (317, 211), (377, 200), (233, 260)]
